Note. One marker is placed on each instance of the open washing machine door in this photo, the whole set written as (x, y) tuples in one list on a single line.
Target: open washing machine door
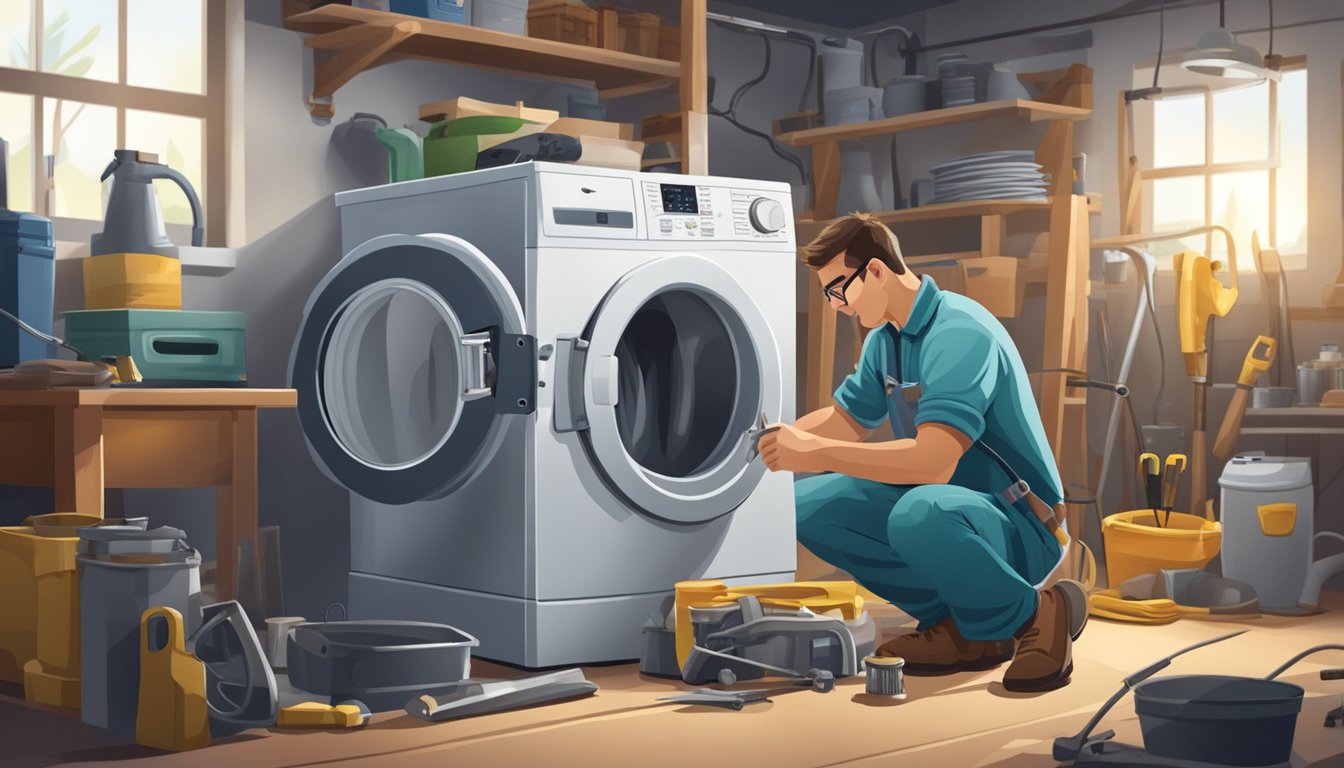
[(411, 352), (674, 367)]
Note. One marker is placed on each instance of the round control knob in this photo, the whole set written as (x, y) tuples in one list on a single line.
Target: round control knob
[(767, 215)]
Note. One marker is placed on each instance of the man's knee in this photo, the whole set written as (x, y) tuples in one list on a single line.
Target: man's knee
[(817, 500), (920, 512)]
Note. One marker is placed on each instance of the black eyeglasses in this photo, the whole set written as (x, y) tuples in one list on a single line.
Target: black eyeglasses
[(839, 295)]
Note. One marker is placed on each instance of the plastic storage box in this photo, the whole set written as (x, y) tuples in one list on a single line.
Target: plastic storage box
[(27, 284), (500, 15), (456, 11), (182, 346)]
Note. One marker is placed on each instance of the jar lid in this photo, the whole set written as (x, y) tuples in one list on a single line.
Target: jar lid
[(883, 661)]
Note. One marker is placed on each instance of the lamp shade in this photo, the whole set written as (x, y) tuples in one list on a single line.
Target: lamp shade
[(1220, 55)]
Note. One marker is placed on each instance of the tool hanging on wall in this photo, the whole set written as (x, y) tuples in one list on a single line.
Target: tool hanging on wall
[(1200, 296), (1258, 360)]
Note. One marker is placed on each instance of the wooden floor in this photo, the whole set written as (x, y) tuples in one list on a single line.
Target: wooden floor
[(965, 720)]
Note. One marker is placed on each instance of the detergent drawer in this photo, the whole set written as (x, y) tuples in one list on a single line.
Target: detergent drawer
[(169, 346)]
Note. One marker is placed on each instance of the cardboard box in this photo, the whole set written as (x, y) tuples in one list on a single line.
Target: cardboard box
[(579, 127), (995, 282), (639, 33), (462, 106), (608, 28), (132, 281), (669, 43), (562, 21), (611, 153)]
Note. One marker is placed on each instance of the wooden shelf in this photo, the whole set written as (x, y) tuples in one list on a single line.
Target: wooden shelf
[(1032, 110), (358, 39), (1314, 313), (807, 229)]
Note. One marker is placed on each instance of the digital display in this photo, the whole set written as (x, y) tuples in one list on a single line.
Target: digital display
[(679, 198)]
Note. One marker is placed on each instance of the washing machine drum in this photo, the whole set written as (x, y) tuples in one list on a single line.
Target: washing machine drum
[(410, 355)]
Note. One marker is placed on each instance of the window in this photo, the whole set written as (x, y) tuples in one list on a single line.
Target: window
[(80, 78), (1236, 157)]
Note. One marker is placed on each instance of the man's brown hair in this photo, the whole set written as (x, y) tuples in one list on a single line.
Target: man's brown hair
[(861, 237)]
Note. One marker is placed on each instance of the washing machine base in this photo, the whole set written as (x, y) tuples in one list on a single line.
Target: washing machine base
[(527, 633)]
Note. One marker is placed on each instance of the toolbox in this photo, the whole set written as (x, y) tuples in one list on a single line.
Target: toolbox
[(170, 347)]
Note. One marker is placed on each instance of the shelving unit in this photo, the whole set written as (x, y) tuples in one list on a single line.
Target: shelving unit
[(1063, 410), (346, 41)]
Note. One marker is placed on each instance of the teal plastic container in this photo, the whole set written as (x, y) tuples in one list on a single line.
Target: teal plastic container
[(27, 284), (171, 347)]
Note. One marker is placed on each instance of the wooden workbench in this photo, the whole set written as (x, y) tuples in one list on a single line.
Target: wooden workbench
[(81, 441)]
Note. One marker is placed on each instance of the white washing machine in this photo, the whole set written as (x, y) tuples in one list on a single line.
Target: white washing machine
[(537, 381)]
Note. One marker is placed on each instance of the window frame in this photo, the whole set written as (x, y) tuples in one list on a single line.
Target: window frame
[(1208, 169), (208, 106)]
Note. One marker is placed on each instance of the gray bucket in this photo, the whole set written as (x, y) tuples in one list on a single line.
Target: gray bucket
[(113, 594)]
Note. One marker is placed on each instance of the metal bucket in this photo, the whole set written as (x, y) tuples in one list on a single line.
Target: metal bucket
[(121, 574)]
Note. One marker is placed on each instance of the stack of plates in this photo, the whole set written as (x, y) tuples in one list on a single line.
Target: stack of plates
[(1007, 175), (958, 90)]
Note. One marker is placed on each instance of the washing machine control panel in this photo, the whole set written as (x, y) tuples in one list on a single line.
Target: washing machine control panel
[(705, 212)]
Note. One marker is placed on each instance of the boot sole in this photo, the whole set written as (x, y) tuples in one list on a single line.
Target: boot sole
[(980, 665), (1040, 685)]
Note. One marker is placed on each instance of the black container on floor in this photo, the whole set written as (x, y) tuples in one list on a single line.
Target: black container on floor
[(1235, 721)]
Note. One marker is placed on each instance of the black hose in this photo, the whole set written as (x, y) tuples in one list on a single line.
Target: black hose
[(731, 116)]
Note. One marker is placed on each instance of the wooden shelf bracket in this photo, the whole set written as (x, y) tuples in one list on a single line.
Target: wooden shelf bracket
[(342, 54)]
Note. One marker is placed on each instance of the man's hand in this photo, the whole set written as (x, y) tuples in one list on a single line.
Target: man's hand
[(790, 449)]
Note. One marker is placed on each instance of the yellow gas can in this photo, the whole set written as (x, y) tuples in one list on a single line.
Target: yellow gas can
[(172, 713)]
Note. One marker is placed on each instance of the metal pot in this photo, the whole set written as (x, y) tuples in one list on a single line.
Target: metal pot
[(1315, 379), (1272, 397)]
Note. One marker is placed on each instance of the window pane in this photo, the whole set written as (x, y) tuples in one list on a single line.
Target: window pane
[(16, 33), (82, 137), (1241, 203), (1291, 235), (1241, 124), (1178, 131), (16, 127), (1178, 204), (79, 38), (165, 45), (178, 142)]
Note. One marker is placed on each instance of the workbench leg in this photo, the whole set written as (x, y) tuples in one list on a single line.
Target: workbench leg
[(236, 504), (78, 462)]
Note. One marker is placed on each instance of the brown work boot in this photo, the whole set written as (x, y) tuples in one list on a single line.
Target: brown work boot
[(1044, 659), (941, 650)]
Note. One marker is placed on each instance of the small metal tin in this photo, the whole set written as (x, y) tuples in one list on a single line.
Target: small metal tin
[(886, 676)]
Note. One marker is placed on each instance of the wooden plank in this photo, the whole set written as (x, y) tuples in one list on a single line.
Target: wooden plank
[(1055, 155), (966, 209), (477, 46), (991, 235), (825, 179), (350, 57), (113, 397), (637, 89), (27, 450), (78, 459), (820, 347), (694, 71), (1031, 110), (1060, 314), (1323, 314)]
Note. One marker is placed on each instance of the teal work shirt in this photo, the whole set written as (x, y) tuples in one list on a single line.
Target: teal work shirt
[(954, 363)]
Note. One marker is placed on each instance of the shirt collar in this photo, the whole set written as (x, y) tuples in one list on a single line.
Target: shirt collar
[(926, 301)]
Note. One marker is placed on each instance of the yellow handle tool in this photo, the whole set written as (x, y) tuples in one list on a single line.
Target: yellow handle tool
[(312, 714), (1150, 472), (1171, 478), (1257, 362)]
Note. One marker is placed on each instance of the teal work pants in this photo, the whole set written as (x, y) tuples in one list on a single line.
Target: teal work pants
[(931, 550)]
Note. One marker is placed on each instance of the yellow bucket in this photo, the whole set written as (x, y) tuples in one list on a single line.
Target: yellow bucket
[(1135, 545), (39, 603)]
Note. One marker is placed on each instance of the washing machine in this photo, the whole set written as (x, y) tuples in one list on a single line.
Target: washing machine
[(537, 382)]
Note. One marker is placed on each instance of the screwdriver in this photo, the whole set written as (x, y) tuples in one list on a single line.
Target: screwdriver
[(1150, 472)]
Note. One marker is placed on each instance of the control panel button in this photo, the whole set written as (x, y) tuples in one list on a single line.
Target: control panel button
[(665, 225), (767, 215)]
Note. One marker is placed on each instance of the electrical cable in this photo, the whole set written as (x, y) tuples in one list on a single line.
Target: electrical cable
[(1161, 34), (42, 336), (731, 116), (1271, 29), (1162, 365)]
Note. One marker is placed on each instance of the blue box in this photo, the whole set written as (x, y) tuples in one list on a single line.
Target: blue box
[(27, 284), (456, 11)]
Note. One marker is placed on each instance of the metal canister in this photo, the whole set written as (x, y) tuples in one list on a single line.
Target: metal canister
[(1315, 378), (886, 676)]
